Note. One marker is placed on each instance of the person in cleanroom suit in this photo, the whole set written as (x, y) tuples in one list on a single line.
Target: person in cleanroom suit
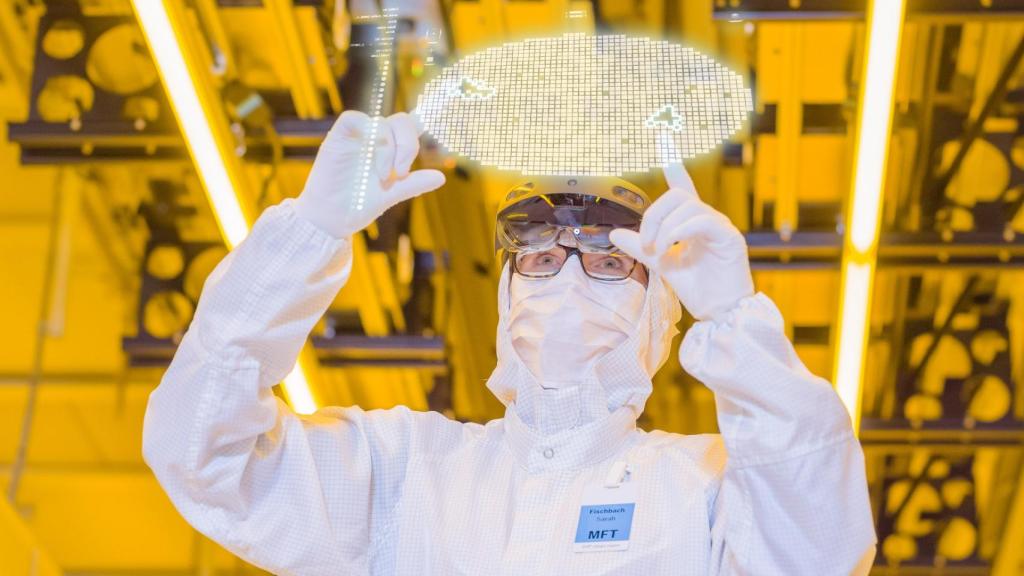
[(781, 490)]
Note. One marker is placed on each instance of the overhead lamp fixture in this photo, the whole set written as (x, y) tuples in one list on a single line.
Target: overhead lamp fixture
[(194, 116), (296, 387), (199, 113), (874, 122)]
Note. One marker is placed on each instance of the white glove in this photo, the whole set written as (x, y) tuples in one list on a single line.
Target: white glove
[(332, 196), (708, 268)]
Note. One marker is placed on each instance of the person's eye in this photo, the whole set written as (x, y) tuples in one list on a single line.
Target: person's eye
[(610, 264)]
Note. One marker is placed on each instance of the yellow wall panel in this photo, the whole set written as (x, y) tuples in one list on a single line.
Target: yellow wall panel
[(818, 51), (106, 520), (87, 423), (21, 266), (824, 56), (12, 406), (20, 553)]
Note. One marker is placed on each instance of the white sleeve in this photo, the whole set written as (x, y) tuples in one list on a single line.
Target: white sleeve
[(793, 497), (293, 495)]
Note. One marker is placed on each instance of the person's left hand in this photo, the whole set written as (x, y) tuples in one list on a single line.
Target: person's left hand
[(693, 246)]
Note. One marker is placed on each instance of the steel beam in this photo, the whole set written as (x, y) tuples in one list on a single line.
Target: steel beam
[(854, 9), (341, 350), (902, 434), (142, 378), (898, 250), (389, 352)]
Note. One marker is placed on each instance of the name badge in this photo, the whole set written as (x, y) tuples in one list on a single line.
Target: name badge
[(606, 514)]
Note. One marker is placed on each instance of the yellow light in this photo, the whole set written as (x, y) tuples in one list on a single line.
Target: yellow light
[(297, 390), (853, 322), (196, 123), (886, 22), (193, 119), (874, 121)]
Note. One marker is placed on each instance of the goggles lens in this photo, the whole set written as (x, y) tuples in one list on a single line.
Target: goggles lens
[(601, 266), (536, 223)]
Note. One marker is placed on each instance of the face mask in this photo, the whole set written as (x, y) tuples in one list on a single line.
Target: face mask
[(561, 325)]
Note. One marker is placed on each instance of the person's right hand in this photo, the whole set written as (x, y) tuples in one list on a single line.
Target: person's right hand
[(331, 198)]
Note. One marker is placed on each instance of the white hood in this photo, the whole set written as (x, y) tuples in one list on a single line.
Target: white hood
[(620, 378)]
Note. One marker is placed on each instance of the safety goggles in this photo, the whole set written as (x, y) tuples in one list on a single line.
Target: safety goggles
[(535, 224)]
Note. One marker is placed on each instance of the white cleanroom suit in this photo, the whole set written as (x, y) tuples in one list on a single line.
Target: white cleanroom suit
[(781, 491)]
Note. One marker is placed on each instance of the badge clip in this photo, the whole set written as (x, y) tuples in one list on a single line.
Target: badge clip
[(617, 474)]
